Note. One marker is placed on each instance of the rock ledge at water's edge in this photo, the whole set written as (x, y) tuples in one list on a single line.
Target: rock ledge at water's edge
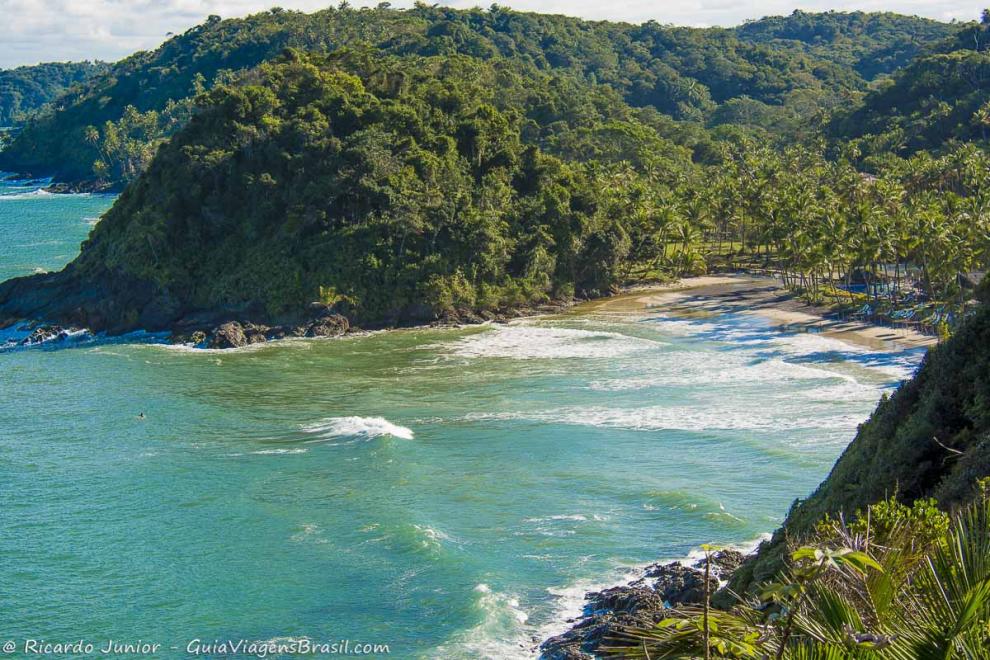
[(641, 603)]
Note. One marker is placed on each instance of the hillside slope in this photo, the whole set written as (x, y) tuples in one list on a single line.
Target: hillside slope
[(937, 99), (396, 190), (931, 438), (872, 44), (683, 72), (27, 89)]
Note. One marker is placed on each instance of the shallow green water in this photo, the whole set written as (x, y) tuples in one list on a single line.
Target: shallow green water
[(451, 493)]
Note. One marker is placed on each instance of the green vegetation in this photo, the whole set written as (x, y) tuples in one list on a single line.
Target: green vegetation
[(872, 44), (408, 166), (936, 100), (929, 439), (472, 167), (402, 188), (761, 76), (27, 89), (897, 582)]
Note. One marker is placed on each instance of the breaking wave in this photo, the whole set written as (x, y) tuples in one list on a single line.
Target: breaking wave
[(530, 342), (362, 428)]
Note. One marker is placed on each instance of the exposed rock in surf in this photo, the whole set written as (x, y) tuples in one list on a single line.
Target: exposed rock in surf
[(640, 604), (229, 335), (331, 325), (677, 584), (75, 187), (590, 635), (255, 334), (44, 334)]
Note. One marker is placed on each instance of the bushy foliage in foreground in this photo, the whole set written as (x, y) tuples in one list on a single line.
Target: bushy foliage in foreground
[(897, 582), (931, 438)]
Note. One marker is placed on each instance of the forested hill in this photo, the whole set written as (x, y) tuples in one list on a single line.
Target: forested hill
[(755, 75), (940, 97), (390, 189), (27, 89), (872, 44)]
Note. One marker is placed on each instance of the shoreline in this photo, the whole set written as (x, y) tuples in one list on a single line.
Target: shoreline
[(713, 295), (700, 297)]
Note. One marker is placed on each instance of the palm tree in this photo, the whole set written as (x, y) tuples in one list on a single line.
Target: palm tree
[(917, 587)]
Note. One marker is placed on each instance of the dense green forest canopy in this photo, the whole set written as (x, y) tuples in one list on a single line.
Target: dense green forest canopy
[(27, 89), (395, 188), (938, 99), (761, 76), (872, 44)]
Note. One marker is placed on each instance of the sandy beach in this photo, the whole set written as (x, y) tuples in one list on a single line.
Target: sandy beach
[(766, 297)]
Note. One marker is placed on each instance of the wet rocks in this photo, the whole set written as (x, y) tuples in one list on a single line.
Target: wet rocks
[(44, 334), (331, 325), (640, 604), (676, 584), (630, 599), (75, 187), (229, 335), (236, 334), (592, 634)]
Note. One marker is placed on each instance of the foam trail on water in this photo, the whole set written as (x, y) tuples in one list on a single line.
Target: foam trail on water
[(522, 341), (34, 194), (356, 427), (501, 634)]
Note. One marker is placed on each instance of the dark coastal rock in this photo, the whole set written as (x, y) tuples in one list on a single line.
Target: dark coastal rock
[(641, 604), (277, 332), (586, 639), (45, 333), (229, 335), (332, 325), (630, 599), (680, 585), (255, 334), (724, 562), (75, 187)]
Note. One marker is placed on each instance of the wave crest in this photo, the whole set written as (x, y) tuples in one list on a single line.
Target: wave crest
[(362, 428)]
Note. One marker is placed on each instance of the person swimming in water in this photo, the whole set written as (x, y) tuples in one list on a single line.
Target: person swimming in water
[(140, 415)]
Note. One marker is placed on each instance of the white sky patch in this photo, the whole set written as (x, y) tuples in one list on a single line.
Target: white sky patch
[(35, 31)]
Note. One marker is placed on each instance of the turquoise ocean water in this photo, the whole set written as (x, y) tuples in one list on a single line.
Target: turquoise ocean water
[(451, 493)]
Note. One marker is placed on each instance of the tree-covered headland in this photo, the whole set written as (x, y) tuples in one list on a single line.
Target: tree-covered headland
[(406, 165)]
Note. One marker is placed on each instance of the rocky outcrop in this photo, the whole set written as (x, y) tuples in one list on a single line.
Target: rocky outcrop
[(84, 186), (331, 325), (45, 334), (639, 604), (234, 334), (229, 335)]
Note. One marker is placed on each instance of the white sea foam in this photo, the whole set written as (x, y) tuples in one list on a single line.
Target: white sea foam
[(526, 341), (34, 194), (364, 428), (501, 634), (730, 416), (309, 533), (431, 538), (281, 451), (756, 335), (574, 516)]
